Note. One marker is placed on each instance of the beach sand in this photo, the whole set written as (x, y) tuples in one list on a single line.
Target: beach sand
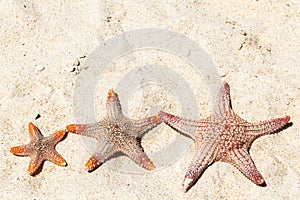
[(46, 51)]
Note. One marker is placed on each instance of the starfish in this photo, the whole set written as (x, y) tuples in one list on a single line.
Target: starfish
[(225, 137), (40, 149), (117, 133)]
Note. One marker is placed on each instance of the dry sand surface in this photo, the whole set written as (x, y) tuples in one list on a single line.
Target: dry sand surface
[(254, 46)]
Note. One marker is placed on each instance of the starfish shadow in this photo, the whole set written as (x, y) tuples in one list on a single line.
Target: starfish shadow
[(264, 184), (39, 170), (288, 125)]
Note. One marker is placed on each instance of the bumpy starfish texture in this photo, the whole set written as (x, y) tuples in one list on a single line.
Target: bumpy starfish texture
[(40, 149), (117, 133), (224, 137)]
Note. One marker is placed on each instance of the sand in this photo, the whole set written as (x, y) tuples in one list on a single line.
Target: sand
[(58, 60)]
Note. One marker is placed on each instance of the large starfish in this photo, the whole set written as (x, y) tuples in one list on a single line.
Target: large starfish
[(224, 137), (40, 149), (117, 134)]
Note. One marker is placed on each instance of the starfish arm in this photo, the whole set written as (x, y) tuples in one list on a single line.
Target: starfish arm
[(267, 127), (96, 160), (23, 150), (113, 105), (34, 165), (241, 159), (188, 127), (89, 130), (136, 153), (56, 137), (142, 126), (201, 161), (224, 102), (56, 158), (34, 132)]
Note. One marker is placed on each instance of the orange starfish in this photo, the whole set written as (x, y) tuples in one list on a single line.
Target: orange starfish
[(40, 149), (224, 137), (118, 134)]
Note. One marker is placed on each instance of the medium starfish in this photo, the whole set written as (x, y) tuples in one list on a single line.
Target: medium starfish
[(224, 137), (40, 149), (117, 133)]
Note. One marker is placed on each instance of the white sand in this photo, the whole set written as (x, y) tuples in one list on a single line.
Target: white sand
[(253, 44)]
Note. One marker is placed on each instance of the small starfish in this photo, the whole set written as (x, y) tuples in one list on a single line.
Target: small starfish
[(224, 137), (40, 149), (118, 134)]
